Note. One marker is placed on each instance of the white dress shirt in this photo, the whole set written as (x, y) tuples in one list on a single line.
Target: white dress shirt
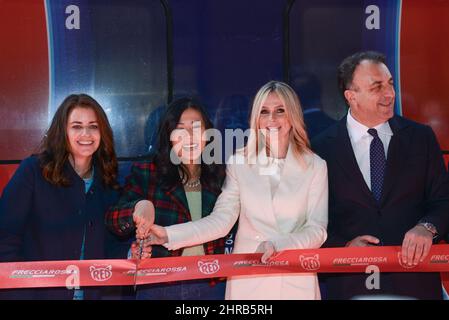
[(361, 141), (275, 178)]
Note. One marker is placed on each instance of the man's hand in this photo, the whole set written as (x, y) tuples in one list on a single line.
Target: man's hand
[(363, 241), (143, 217), (416, 245)]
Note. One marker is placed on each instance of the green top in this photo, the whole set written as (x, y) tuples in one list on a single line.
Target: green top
[(194, 201)]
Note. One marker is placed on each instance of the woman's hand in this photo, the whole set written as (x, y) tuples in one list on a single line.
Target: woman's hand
[(143, 217), (158, 235), (146, 249), (268, 249)]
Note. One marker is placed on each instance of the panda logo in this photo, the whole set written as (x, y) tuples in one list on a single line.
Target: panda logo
[(310, 263), (209, 267)]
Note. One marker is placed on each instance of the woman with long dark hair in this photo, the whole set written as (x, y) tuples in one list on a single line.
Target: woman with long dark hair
[(53, 207), (173, 185)]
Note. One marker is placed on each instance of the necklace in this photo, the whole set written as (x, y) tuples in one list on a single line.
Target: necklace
[(193, 184)]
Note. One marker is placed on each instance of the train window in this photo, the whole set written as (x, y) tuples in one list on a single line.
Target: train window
[(320, 34), (225, 50), (114, 50)]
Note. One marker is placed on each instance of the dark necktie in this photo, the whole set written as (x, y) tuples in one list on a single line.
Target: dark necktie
[(377, 164)]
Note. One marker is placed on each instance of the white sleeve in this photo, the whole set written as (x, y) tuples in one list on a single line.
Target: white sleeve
[(214, 226), (313, 233)]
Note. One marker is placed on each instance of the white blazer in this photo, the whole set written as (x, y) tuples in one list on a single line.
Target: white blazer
[(295, 217)]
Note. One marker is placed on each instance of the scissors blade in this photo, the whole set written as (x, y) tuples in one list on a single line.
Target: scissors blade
[(137, 263)]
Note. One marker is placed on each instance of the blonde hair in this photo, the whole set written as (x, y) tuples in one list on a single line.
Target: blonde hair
[(299, 140)]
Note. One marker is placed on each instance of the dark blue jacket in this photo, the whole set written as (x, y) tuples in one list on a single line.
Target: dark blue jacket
[(40, 221)]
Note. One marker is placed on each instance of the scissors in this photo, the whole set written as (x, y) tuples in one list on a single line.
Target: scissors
[(137, 264)]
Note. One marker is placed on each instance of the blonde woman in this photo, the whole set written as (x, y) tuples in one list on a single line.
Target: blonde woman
[(277, 188)]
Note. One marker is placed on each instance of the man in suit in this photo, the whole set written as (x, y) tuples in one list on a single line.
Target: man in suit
[(388, 184)]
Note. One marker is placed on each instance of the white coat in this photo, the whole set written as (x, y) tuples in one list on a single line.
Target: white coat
[(295, 217)]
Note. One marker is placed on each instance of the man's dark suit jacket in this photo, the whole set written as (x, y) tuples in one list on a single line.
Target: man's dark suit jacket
[(416, 187)]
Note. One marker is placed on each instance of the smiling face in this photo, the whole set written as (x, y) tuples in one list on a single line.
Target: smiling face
[(273, 119), (187, 137), (83, 133), (371, 96)]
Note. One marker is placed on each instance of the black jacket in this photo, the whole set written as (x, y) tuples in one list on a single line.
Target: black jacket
[(416, 187), (43, 222)]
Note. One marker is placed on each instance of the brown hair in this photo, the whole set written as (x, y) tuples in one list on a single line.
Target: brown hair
[(54, 150)]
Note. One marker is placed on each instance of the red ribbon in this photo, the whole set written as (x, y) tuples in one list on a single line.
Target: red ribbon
[(82, 273)]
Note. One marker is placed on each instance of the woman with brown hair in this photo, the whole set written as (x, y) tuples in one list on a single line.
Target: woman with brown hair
[(53, 207)]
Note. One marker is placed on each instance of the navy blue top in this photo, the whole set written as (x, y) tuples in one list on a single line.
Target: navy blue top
[(41, 221)]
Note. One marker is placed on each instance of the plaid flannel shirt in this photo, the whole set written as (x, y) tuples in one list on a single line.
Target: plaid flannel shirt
[(171, 207)]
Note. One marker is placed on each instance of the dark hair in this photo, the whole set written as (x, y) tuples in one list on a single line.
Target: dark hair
[(347, 67), (55, 149), (211, 174)]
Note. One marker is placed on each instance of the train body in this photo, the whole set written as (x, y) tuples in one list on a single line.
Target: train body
[(135, 56)]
